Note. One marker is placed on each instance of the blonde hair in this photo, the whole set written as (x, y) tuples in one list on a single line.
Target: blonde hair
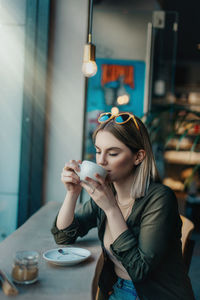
[(135, 140)]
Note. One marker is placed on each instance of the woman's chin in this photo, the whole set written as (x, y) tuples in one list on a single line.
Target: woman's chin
[(109, 177)]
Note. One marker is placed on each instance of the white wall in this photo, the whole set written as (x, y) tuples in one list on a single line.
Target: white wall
[(121, 34), (67, 93), (120, 28)]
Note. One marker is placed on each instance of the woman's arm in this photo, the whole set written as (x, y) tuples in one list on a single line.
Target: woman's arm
[(141, 252), (84, 219), (140, 249), (72, 183), (66, 213), (102, 193)]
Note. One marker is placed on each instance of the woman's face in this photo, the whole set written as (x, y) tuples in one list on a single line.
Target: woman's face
[(114, 156)]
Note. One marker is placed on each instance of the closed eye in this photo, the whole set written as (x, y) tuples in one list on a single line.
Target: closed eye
[(110, 154)]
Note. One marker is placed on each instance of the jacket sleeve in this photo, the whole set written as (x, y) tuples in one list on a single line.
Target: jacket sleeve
[(142, 253), (84, 219)]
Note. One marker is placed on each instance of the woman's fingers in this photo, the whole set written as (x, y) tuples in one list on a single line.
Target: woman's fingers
[(72, 165), (69, 180), (70, 173), (93, 182), (100, 179), (92, 186), (69, 176), (98, 184), (90, 189)]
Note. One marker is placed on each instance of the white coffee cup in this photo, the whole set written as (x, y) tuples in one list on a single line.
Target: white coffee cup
[(89, 169)]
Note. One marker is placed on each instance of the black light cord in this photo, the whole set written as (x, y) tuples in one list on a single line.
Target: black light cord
[(90, 17)]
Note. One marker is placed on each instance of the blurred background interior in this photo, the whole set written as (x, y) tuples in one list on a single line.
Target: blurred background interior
[(148, 63)]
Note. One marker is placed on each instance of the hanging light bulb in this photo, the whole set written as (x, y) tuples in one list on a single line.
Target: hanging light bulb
[(89, 67), (114, 110), (122, 96)]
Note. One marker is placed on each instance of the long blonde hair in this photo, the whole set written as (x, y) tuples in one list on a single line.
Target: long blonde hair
[(135, 140)]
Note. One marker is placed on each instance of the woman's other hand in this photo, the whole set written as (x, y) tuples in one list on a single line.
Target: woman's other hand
[(101, 192), (69, 177)]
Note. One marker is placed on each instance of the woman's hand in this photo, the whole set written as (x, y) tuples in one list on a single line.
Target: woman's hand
[(101, 192), (69, 177)]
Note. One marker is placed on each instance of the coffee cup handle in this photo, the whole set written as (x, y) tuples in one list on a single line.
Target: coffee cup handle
[(79, 168), (78, 172)]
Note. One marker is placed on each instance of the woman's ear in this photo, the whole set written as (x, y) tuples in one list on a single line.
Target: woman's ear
[(140, 156)]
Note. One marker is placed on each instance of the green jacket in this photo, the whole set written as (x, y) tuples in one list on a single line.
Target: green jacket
[(150, 249)]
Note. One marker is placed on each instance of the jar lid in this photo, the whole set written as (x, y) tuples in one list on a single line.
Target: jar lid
[(26, 257)]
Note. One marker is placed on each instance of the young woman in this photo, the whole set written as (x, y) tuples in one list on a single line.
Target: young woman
[(137, 217)]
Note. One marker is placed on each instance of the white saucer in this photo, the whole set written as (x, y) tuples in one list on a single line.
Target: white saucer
[(74, 256)]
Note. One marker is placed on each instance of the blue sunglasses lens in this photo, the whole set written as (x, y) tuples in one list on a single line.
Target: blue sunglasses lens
[(121, 119), (104, 118)]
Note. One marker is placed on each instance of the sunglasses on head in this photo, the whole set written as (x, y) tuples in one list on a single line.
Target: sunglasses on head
[(120, 118)]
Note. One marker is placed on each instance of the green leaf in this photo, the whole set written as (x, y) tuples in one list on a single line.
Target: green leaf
[(189, 179), (180, 139), (195, 143)]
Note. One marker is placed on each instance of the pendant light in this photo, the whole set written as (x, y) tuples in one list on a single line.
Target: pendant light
[(89, 67), (123, 96)]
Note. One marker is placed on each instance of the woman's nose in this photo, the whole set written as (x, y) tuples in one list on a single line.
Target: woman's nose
[(101, 160)]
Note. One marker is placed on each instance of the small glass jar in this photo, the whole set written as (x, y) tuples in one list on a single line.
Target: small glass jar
[(25, 267)]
